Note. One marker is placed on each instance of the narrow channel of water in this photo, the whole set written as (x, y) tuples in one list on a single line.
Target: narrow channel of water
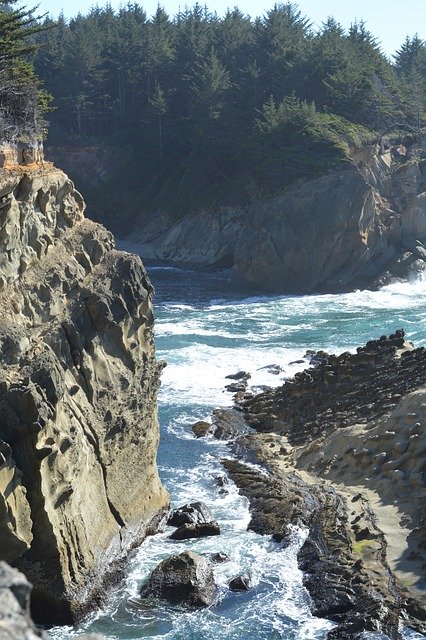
[(207, 328)]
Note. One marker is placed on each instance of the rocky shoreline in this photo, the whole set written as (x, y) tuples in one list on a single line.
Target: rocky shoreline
[(343, 447)]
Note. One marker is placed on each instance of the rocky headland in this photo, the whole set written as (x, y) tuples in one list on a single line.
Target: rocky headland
[(343, 446), (358, 227), (78, 382)]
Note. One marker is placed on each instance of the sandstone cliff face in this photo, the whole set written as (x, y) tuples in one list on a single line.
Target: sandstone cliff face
[(78, 382), (334, 233)]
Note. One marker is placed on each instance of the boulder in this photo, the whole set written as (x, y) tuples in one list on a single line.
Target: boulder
[(229, 424), (192, 513), (201, 530), (240, 583), (201, 428), (186, 579), (218, 558)]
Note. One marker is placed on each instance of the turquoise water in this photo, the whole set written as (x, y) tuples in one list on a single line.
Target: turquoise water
[(207, 328)]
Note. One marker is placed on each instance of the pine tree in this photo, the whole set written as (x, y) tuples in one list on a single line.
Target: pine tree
[(22, 103)]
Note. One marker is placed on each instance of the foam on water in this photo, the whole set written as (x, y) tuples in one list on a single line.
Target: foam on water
[(206, 330)]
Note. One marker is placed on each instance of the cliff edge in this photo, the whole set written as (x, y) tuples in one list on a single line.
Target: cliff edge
[(78, 381)]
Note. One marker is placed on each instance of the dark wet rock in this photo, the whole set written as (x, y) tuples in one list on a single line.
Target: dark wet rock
[(240, 375), (192, 513), (222, 481), (200, 530), (236, 387), (240, 583), (341, 590), (201, 428), (229, 424), (315, 357), (344, 558), (219, 558), (275, 369), (185, 579)]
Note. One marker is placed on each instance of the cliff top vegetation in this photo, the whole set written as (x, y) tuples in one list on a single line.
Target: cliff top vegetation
[(215, 111)]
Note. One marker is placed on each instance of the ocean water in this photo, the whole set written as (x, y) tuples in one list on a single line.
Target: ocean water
[(207, 328)]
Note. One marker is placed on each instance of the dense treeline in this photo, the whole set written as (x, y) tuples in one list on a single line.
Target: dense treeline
[(22, 101), (213, 109)]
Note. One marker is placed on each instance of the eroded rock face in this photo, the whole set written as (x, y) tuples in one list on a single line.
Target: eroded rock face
[(344, 230), (78, 382), (15, 620), (186, 579)]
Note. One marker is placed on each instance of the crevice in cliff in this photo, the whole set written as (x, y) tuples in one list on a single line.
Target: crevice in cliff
[(93, 440)]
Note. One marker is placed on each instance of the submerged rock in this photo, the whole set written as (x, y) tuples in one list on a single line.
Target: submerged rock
[(218, 558), (185, 579)]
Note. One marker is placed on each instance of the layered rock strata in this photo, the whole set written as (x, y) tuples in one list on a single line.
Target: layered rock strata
[(358, 227), (344, 447), (78, 381)]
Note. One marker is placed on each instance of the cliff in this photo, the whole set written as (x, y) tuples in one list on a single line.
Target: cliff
[(352, 228), (78, 382), (343, 446)]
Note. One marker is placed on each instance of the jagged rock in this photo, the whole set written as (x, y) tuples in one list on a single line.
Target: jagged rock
[(78, 382), (240, 583), (200, 530), (15, 620), (218, 558), (228, 424), (236, 387), (201, 428), (192, 513), (275, 369), (240, 375), (186, 578)]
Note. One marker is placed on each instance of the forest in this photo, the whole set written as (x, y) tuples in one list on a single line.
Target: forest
[(209, 110)]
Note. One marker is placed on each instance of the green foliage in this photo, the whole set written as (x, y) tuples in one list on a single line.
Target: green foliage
[(22, 101), (292, 140), (212, 111)]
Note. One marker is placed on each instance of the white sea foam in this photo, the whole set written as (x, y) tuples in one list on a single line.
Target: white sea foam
[(202, 345)]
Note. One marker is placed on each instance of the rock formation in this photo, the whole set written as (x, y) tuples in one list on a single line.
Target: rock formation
[(344, 446), (15, 619), (354, 228), (185, 579), (78, 381)]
